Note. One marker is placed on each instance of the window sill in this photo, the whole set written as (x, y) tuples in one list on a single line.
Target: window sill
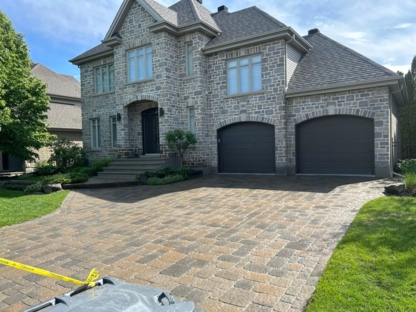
[(139, 81), (96, 149), (245, 94), (104, 93), (190, 77)]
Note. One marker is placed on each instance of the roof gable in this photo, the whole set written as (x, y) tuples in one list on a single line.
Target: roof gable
[(330, 63)]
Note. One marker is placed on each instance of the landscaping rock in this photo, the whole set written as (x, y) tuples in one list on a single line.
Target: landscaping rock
[(50, 188), (395, 189)]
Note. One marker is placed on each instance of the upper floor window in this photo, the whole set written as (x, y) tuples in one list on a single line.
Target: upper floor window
[(104, 79), (189, 60), (244, 75), (140, 64)]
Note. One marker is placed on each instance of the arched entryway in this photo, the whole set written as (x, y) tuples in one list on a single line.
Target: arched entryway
[(246, 147), (337, 144)]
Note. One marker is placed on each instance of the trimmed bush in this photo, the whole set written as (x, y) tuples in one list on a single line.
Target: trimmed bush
[(165, 180), (34, 188), (100, 164), (83, 170)]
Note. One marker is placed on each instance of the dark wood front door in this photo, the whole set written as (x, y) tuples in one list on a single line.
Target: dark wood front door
[(150, 121)]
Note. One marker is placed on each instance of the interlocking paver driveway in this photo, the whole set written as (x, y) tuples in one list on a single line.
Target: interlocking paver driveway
[(229, 243)]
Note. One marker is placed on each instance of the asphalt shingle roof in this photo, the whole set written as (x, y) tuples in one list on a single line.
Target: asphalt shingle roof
[(95, 50), (242, 24), (60, 85), (331, 63), (64, 116), (166, 13)]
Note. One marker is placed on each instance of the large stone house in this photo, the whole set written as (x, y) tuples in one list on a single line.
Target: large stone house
[(64, 115), (259, 97)]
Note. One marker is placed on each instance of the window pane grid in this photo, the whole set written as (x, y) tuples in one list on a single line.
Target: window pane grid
[(140, 64), (244, 75), (104, 79)]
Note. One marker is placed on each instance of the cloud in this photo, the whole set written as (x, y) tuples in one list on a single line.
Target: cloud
[(402, 26), (403, 68)]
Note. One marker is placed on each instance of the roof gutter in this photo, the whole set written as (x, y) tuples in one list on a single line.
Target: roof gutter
[(343, 87), (286, 33), (90, 58)]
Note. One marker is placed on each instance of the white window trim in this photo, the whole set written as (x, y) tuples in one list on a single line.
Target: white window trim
[(113, 120), (135, 64), (109, 86), (189, 119), (98, 138), (189, 71), (250, 74)]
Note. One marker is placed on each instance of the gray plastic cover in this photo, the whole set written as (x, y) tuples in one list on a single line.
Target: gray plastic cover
[(116, 296)]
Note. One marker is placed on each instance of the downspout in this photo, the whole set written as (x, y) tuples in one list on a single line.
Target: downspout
[(286, 111), (392, 173)]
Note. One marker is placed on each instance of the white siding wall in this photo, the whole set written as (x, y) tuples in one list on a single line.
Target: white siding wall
[(292, 59)]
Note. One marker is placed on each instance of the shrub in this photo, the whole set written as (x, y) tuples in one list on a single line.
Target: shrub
[(99, 165), (78, 177), (44, 169), (33, 188), (184, 172), (57, 178), (14, 187), (66, 154), (410, 181), (179, 141), (165, 180), (407, 166), (84, 170)]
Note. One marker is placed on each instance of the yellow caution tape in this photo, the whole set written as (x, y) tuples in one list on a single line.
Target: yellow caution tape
[(90, 279)]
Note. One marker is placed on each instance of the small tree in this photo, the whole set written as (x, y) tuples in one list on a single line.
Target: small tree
[(179, 141)]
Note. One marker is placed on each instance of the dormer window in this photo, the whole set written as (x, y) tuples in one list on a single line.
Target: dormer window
[(140, 64)]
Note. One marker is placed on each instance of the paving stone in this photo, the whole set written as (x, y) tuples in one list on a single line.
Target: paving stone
[(277, 262), (245, 284), (229, 258), (182, 291), (238, 297), (259, 268)]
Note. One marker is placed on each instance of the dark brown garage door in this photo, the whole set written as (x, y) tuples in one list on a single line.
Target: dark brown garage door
[(335, 145), (246, 147)]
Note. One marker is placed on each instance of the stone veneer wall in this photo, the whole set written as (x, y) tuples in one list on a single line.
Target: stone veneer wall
[(372, 103), (265, 106)]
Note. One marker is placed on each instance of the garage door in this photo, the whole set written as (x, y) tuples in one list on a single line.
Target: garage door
[(335, 145), (246, 147)]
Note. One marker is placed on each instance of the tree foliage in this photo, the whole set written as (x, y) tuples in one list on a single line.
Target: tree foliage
[(408, 116), (23, 99), (179, 141)]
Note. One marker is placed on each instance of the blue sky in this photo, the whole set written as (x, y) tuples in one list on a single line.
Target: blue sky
[(383, 30)]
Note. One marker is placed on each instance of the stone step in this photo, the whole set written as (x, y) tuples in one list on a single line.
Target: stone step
[(118, 174), (133, 166), (137, 162)]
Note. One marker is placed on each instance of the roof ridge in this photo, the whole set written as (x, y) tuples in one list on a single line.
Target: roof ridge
[(194, 10), (351, 51), (269, 16)]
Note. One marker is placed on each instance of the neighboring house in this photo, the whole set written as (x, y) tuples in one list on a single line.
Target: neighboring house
[(259, 97), (64, 114)]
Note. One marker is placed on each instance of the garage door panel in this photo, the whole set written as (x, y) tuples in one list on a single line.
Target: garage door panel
[(335, 145), (246, 147)]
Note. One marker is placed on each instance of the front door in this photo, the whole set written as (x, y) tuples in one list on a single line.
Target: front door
[(150, 121)]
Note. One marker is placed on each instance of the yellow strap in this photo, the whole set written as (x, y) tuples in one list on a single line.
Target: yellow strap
[(90, 280)]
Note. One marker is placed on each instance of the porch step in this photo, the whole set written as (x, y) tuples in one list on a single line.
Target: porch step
[(130, 167)]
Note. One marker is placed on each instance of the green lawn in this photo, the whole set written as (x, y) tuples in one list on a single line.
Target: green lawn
[(374, 266), (16, 207)]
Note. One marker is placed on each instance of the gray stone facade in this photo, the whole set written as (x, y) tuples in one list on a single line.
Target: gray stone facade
[(206, 92)]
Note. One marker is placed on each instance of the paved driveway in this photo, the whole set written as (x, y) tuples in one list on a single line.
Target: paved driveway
[(229, 243)]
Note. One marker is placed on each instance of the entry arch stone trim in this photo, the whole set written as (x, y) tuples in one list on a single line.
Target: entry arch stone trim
[(334, 111), (141, 97), (243, 118)]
